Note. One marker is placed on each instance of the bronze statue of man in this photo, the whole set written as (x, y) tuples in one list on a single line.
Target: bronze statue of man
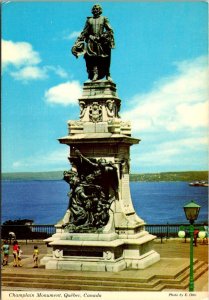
[(95, 42)]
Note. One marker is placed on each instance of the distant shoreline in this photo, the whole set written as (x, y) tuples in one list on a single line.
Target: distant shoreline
[(157, 177)]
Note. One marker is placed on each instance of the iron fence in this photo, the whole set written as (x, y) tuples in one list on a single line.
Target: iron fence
[(27, 232), (32, 232), (169, 230)]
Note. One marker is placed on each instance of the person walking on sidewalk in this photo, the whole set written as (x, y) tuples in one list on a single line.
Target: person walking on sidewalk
[(5, 250), (35, 256), (15, 253), (19, 257), (205, 240), (196, 231)]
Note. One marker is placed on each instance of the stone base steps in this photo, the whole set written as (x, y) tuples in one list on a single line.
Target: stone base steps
[(100, 282)]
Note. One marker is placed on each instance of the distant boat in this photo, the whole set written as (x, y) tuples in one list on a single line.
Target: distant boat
[(199, 183)]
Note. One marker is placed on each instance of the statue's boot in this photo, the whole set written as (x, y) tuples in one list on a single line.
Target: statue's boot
[(95, 72), (108, 77), (95, 77)]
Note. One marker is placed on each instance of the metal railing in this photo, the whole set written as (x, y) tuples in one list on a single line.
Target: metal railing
[(168, 230), (32, 232), (48, 229), (27, 232)]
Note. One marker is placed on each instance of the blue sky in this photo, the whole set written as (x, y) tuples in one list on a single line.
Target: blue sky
[(159, 66)]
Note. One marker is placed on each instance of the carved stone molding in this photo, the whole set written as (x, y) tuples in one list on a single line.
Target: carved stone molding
[(95, 112)]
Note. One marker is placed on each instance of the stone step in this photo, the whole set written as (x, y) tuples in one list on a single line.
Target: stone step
[(181, 281), (185, 282), (78, 280), (73, 281), (100, 279), (25, 279), (63, 274), (181, 276), (79, 276), (73, 287)]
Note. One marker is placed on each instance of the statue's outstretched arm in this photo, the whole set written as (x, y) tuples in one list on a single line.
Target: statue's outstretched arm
[(78, 153)]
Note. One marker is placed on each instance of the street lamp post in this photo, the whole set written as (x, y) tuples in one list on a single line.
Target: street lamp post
[(191, 211)]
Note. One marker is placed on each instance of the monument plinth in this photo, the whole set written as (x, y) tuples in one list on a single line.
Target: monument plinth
[(100, 230)]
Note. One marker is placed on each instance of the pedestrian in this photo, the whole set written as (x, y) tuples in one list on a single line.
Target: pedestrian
[(35, 256), (205, 240), (196, 231), (15, 253), (5, 250), (12, 237), (19, 257)]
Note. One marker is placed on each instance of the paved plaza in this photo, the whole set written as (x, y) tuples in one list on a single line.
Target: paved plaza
[(174, 255)]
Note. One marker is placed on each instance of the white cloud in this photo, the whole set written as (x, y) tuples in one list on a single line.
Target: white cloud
[(57, 158), (23, 62), (72, 35), (168, 153), (17, 164), (195, 112), (65, 94), (30, 73), (181, 145), (18, 54), (61, 72), (176, 102), (58, 71)]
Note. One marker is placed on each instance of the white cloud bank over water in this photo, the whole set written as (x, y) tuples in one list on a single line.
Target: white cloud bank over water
[(175, 103), (172, 120), (53, 161)]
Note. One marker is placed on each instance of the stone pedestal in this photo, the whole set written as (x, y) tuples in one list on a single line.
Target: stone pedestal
[(123, 242)]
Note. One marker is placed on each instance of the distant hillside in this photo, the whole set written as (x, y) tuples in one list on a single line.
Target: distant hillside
[(171, 176), (164, 176), (55, 175)]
